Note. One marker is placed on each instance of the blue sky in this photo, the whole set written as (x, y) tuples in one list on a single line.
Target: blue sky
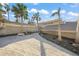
[(69, 12)]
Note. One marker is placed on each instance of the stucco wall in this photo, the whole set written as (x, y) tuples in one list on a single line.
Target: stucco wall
[(14, 29), (67, 34)]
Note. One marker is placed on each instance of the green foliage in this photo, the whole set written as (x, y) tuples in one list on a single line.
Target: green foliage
[(1, 12), (20, 11), (36, 17), (7, 7), (56, 13)]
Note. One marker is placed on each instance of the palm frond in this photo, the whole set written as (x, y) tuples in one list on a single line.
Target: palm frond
[(57, 12), (54, 13), (20, 10)]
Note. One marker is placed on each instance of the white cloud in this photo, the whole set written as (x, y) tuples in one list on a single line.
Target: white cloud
[(73, 14), (54, 11), (33, 10), (62, 11), (67, 15), (28, 10), (69, 18), (43, 11), (74, 4), (71, 4), (35, 3), (6, 15)]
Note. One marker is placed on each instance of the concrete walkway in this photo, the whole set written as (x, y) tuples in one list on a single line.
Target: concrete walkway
[(30, 45)]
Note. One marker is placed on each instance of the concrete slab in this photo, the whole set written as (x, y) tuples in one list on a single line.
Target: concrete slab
[(30, 45)]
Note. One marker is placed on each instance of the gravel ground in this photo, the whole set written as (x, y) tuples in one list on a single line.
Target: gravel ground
[(66, 43)]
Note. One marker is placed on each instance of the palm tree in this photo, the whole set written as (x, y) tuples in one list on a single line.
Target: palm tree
[(16, 13), (20, 11), (26, 15), (59, 27), (36, 17), (7, 7)]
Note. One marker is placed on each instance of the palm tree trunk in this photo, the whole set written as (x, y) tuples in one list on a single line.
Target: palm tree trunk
[(8, 15), (59, 29), (59, 32), (21, 24), (37, 26), (77, 32), (22, 20)]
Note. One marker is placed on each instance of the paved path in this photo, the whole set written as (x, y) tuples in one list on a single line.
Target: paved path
[(30, 45)]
